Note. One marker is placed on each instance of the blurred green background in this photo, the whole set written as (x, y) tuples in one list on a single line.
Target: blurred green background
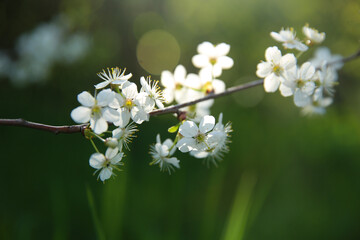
[(285, 177)]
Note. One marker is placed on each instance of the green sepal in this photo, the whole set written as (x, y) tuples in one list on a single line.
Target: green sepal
[(173, 129)]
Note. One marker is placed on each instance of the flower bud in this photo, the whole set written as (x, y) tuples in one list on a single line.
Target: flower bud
[(111, 142)]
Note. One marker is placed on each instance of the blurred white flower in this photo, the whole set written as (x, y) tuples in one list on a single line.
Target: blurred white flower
[(106, 164), (161, 154), (40, 49), (322, 55), (312, 35), (289, 40), (213, 57), (301, 84), (275, 68)]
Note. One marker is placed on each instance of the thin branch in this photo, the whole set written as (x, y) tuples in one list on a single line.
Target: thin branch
[(172, 109), (39, 126)]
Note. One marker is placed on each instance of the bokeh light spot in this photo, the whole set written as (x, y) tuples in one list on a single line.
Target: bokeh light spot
[(158, 50)]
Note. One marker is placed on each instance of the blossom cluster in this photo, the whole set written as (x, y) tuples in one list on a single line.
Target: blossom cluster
[(118, 104), (312, 83)]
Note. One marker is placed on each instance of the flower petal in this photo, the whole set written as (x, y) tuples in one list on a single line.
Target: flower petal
[(105, 173), (264, 69), (206, 48), (186, 144), (86, 99), (124, 118), (273, 54), (222, 49), (225, 62), (96, 160), (99, 125), (271, 83), (102, 84), (207, 123), (105, 97), (81, 114), (301, 99), (200, 61), (188, 129), (111, 153)]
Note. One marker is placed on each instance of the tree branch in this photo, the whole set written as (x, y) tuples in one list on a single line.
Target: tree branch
[(172, 109), (39, 126)]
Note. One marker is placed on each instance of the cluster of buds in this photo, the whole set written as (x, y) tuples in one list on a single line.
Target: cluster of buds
[(312, 83), (118, 103)]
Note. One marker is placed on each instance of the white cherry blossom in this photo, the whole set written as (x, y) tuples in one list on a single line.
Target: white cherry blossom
[(125, 135), (289, 40), (312, 35), (322, 55), (106, 164), (132, 105), (275, 68), (301, 84), (194, 137), (113, 76), (213, 57), (96, 110), (161, 154), (175, 85), (153, 91)]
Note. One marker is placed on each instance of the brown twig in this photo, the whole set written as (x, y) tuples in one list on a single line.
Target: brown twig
[(172, 109)]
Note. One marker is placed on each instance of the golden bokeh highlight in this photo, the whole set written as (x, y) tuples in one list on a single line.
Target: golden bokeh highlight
[(158, 50)]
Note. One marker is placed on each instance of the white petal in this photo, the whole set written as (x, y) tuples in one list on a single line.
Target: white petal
[(96, 160), (180, 74), (81, 114), (200, 61), (199, 154), (264, 69), (105, 97), (277, 36), (285, 90), (207, 124), (167, 79), (225, 62), (206, 48), (111, 152), (273, 54), (218, 85), (188, 129), (110, 115), (105, 173), (138, 115), (124, 118), (288, 61), (86, 99), (222, 49), (129, 89), (194, 81), (168, 94), (217, 70), (173, 161), (99, 126), (117, 158), (307, 71), (301, 99), (102, 84), (271, 83), (186, 144)]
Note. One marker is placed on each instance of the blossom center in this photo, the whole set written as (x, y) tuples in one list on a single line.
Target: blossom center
[(208, 88), (200, 138), (277, 69), (213, 61), (96, 111), (129, 103)]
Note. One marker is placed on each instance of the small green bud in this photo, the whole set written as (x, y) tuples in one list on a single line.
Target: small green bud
[(173, 128)]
